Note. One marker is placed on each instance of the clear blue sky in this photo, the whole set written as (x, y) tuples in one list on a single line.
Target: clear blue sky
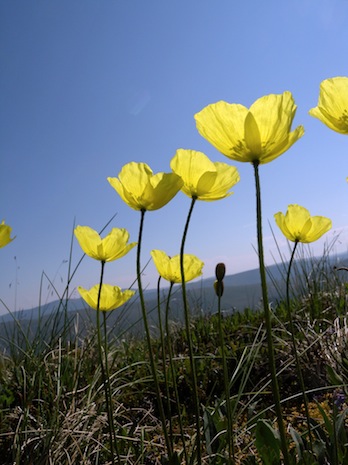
[(89, 85)]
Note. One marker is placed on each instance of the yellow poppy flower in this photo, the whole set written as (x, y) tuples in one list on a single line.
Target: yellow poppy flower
[(202, 178), (298, 225), (113, 246), (260, 133), (332, 107), (5, 233), (169, 268), (142, 190), (111, 297)]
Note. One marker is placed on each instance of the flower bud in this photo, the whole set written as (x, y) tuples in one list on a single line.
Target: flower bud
[(220, 271), (219, 288)]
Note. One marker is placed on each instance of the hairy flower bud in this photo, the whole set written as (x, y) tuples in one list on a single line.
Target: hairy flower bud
[(220, 271), (219, 288)]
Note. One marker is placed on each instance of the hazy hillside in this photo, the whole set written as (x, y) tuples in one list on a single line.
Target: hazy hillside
[(241, 290), (242, 283)]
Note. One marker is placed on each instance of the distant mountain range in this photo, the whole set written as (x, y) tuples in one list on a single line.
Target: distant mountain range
[(241, 290)]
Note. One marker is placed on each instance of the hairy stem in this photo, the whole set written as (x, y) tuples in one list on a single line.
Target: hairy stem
[(189, 338), (148, 339), (268, 318), (174, 374), (294, 347), (105, 375), (231, 453)]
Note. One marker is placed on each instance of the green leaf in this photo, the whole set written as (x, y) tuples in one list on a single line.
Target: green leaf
[(333, 376), (267, 443), (298, 441), (328, 424)]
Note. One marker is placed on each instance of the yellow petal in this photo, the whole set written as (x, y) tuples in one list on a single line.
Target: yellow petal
[(142, 190), (111, 297), (205, 184), (131, 183), (260, 134), (161, 189), (202, 178), (169, 268), (332, 107), (88, 239), (319, 226), (161, 261), (126, 196), (135, 177), (283, 145), (173, 271), (252, 135), (227, 177), (113, 246), (280, 221), (299, 226), (192, 267), (195, 169), (297, 216), (5, 233), (222, 124), (274, 115)]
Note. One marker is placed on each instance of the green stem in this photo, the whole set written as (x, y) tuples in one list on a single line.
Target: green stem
[(105, 376), (189, 338), (107, 372), (173, 372), (231, 453), (294, 347), (268, 318), (164, 361), (148, 339)]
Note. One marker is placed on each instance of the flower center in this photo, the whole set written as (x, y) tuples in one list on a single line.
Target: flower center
[(344, 118)]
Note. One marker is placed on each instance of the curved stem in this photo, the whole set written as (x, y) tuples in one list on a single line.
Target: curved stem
[(188, 332), (268, 318), (294, 347), (173, 372), (105, 375), (231, 453), (148, 339)]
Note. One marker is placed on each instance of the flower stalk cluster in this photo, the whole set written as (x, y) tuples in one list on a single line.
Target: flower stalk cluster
[(257, 135), (298, 225), (103, 298)]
